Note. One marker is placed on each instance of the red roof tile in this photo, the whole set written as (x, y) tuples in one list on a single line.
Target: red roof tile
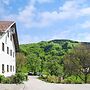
[(4, 25)]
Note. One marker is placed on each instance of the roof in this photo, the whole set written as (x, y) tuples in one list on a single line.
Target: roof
[(4, 25)]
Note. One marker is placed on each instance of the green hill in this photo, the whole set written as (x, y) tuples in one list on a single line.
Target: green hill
[(48, 46), (48, 57), (45, 52)]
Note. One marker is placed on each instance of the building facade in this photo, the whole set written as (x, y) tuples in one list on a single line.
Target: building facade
[(8, 48)]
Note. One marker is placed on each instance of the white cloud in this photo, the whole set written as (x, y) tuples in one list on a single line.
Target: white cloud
[(6, 1), (3, 7), (33, 2), (83, 37), (25, 16), (30, 16), (86, 25), (87, 38), (72, 36), (85, 11), (68, 6), (63, 35), (69, 10), (45, 1), (26, 38)]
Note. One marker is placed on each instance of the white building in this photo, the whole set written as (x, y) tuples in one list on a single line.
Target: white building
[(8, 48)]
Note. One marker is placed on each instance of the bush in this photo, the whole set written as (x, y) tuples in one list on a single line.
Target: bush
[(72, 80), (49, 78), (6, 81), (88, 81), (18, 78), (15, 79), (43, 77), (53, 79), (1, 78)]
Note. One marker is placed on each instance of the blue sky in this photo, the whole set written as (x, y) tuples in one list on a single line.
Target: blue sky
[(41, 20)]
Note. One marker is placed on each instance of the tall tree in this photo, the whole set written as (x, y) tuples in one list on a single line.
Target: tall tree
[(78, 62), (21, 63)]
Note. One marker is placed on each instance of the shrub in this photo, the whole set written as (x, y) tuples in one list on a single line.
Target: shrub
[(25, 77), (6, 81), (88, 81), (43, 77), (52, 79), (72, 80), (66, 81), (1, 78), (18, 78), (15, 79), (48, 78)]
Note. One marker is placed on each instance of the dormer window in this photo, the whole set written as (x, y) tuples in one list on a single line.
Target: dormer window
[(12, 30)]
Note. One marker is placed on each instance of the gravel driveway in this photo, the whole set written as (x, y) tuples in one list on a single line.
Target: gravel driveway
[(35, 84)]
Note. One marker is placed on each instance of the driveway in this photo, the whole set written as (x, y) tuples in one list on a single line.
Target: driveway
[(35, 84)]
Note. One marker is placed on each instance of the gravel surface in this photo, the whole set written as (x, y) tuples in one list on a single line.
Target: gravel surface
[(35, 84), (11, 87)]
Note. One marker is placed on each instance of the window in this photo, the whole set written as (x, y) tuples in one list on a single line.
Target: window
[(7, 50), (7, 68), (3, 68), (8, 34), (6, 40), (13, 54), (11, 37), (2, 46), (10, 52), (11, 68)]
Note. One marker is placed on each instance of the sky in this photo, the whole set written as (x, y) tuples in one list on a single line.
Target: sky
[(44, 20)]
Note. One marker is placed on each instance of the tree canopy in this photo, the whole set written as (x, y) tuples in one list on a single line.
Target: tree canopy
[(56, 57)]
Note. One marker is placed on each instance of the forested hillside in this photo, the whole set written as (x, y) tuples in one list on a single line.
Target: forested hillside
[(40, 55), (49, 58)]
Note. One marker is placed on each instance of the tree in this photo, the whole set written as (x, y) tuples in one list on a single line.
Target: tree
[(77, 62), (21, 63), (53, 65), (34, 63)]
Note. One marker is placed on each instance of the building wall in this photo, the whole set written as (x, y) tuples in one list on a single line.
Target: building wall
[(5, 58)]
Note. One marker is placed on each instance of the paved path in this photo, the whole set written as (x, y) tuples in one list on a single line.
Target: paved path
[(35, 84)]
